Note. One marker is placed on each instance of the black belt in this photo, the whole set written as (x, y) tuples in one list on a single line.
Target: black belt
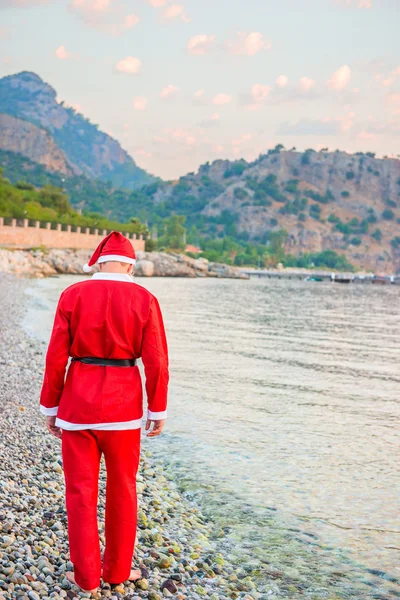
[(107, 362)]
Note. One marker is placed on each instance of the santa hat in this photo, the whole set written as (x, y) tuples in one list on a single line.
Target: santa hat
[(115, 246)]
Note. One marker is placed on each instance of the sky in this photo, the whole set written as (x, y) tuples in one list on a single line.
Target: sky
[(182, 82)]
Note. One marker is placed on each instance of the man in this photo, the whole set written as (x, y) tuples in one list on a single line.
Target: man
[(105, 324)]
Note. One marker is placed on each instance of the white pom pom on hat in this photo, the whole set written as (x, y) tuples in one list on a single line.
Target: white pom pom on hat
[(86, 268)]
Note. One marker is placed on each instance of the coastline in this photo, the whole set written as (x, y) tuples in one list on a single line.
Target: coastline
[(175, 525), (47, 262)]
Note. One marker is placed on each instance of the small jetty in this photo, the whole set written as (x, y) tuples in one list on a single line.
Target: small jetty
[(323, 276)]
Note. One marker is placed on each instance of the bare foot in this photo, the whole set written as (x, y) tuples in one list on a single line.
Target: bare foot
[(71, 578)]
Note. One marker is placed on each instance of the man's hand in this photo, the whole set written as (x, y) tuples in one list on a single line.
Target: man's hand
[(157, 427), (51, 426)]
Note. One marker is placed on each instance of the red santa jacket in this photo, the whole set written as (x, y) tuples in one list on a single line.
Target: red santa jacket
[(107, 316)]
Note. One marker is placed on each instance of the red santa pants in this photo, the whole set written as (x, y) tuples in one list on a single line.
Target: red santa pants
[(81, 453)]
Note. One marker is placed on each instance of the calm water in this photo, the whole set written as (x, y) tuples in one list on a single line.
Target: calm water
[(284, 397)]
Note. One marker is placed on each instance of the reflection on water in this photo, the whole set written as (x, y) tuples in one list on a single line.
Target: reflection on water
[(287, 394)]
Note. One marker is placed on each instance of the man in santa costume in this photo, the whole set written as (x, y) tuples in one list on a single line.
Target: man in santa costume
[(105, 324)]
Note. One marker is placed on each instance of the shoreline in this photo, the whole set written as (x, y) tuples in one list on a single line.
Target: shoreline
[(182, 534), (47, 262)]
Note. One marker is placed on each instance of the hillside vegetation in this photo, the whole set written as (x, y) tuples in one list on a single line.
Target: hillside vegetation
[(94, 195), (322, 201), (50, 204)]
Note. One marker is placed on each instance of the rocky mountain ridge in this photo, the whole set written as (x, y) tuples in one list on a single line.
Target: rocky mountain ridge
[(323, 200), (88, 150)]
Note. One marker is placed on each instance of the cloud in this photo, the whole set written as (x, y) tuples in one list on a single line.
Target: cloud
[(183, 135), (129, 65), (246, 137), (306, 84), (168, 91), (221, 99), (249, 44), (340, 78), (105, 15), (140, 103), (200, 44), (62, 53), (255, 99), (130, 21), (176, 11), (158, 3), (355, 3), (282, 81), (259, 92), (310, 127), (393, 101)]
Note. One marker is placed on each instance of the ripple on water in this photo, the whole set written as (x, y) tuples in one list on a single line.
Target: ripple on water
[(284, 395)]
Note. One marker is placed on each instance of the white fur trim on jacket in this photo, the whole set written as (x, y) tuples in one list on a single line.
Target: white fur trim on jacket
[(156, 416), (135, 424), (49, 412)]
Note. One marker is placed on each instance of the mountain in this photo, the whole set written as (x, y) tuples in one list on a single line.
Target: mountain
[(27, 139), (349, 203), (88, 151)]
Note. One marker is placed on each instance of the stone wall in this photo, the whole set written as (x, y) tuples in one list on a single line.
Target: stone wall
[(27, 236)]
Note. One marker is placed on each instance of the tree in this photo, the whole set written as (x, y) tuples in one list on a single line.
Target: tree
[(377, 235), (388, 214), (174, 233)]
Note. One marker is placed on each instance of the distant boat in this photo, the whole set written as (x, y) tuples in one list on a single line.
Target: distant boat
[(314, 278), (342, 279)]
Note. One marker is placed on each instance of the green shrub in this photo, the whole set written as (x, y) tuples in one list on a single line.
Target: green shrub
[(377, 235), (388, 214), (240, 193)]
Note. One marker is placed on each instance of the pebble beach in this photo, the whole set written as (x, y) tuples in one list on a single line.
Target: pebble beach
[(182, 550)]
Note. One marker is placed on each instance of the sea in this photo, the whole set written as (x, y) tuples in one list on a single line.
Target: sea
[(283, 422)]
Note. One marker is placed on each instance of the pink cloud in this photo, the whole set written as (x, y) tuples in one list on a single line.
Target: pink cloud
[(221, 99), (169, 90), (306, 84), (176, 11), (393, 100), (129, 65), (184, 136), (340, 78), (105, 15), (200, 44), (140, 103), (158, 3), (282, 81), (249, 44), (259, 92), (62, 53), (355, 3)]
